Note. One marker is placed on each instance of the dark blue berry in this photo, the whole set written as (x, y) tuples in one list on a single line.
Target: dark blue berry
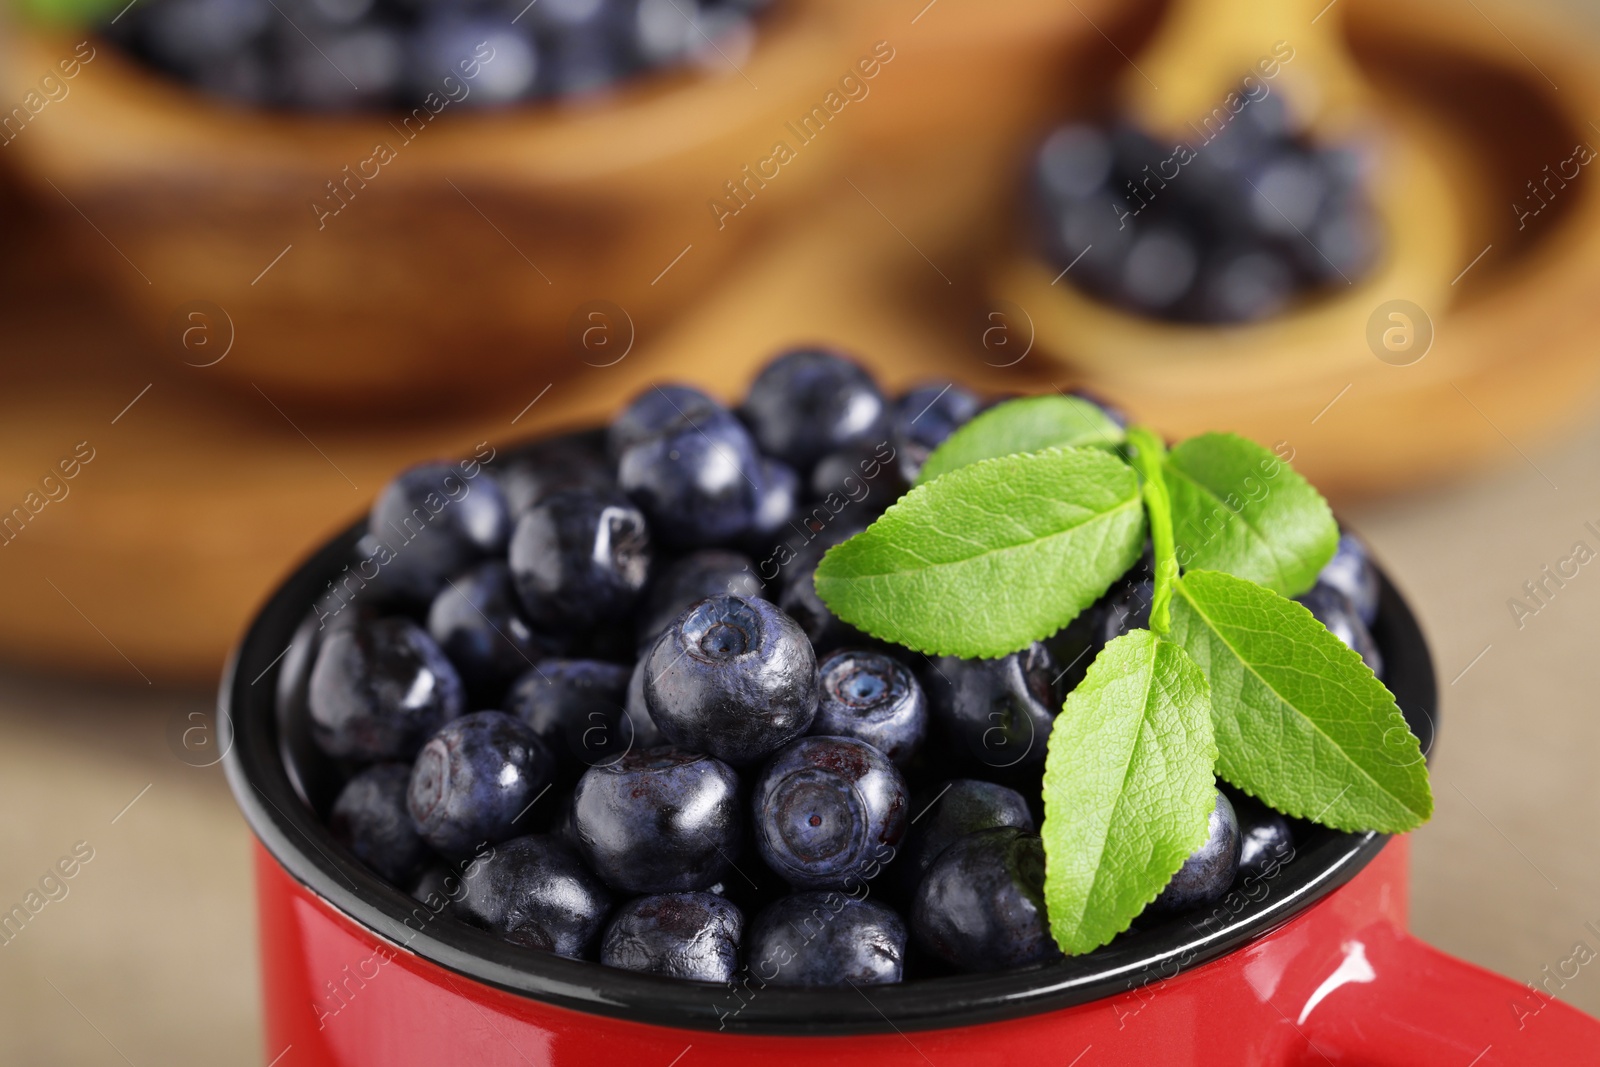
[(1074, 162), (477, 620), (692, 578), (999, 711), (1351, 572), (799, 600), (664, 820), (379, 689), (733, 676), (535, 892), (868, 476), (1337, 612), (826, 939), (873, 698), (1209, 871), (646, 734), (697, 482), (676, 935), (547, 467), (580, 558), (923, 418), (436, 521), (441, 889), (829, 812), (369, 818), (1267, 840), (981, 905), (1125, 607), (475, 780), (577, 707), (659, 410), (811, 401), (959, 808), (777, 500)]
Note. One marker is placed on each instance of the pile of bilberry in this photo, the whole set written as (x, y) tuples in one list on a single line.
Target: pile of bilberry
[(339, 55), (1228, 226), (588, 698)]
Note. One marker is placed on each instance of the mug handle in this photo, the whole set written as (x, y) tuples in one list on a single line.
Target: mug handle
[(1406, 1004)]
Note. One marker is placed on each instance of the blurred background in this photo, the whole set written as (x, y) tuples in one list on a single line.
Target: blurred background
[(258, 255)]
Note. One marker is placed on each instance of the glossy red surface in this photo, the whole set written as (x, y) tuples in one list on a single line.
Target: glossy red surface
[(1342, 983)]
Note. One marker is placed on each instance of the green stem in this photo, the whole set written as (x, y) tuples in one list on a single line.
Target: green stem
[(1147, 457)]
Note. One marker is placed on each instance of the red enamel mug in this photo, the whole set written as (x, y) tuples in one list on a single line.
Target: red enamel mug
[(1309, 964)]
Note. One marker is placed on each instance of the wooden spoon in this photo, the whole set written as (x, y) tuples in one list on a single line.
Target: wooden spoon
[(1200, 56)]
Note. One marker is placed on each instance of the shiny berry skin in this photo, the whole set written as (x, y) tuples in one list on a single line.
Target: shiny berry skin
[(961, 807), (545, 467), (580, 558), (474, 781), (826, 938), (694, 936), (829, 812), (1336, 611), (1266, 838), (873, 698), (379, 689), (923, 418), (808, 402), (998, 710), (692, 578), (436, 521), (441, 889), (981, 905), (1125, 607), (864, 476), (664, 820), (800, 601), (734, 677), (658, 410), (477, 620), (1209, 871), (1351, 572), (646, 734), (777, 499), (577, 707), (697, 482), (370, 819), (535, 892)]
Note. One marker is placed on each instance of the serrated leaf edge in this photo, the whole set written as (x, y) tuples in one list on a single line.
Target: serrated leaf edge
[(990, 416), (970, 651), (1395, 718), (1280, 585), (1200, 837)]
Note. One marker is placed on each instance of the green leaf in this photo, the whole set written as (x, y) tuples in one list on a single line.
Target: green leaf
[(1302, 723), (1148, 459), (1028, 424), (1128, 787), (990, 557), (1237, 507)]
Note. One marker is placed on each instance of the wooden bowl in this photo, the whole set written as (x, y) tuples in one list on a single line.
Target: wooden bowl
[(1509, 307), (441, 273)]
